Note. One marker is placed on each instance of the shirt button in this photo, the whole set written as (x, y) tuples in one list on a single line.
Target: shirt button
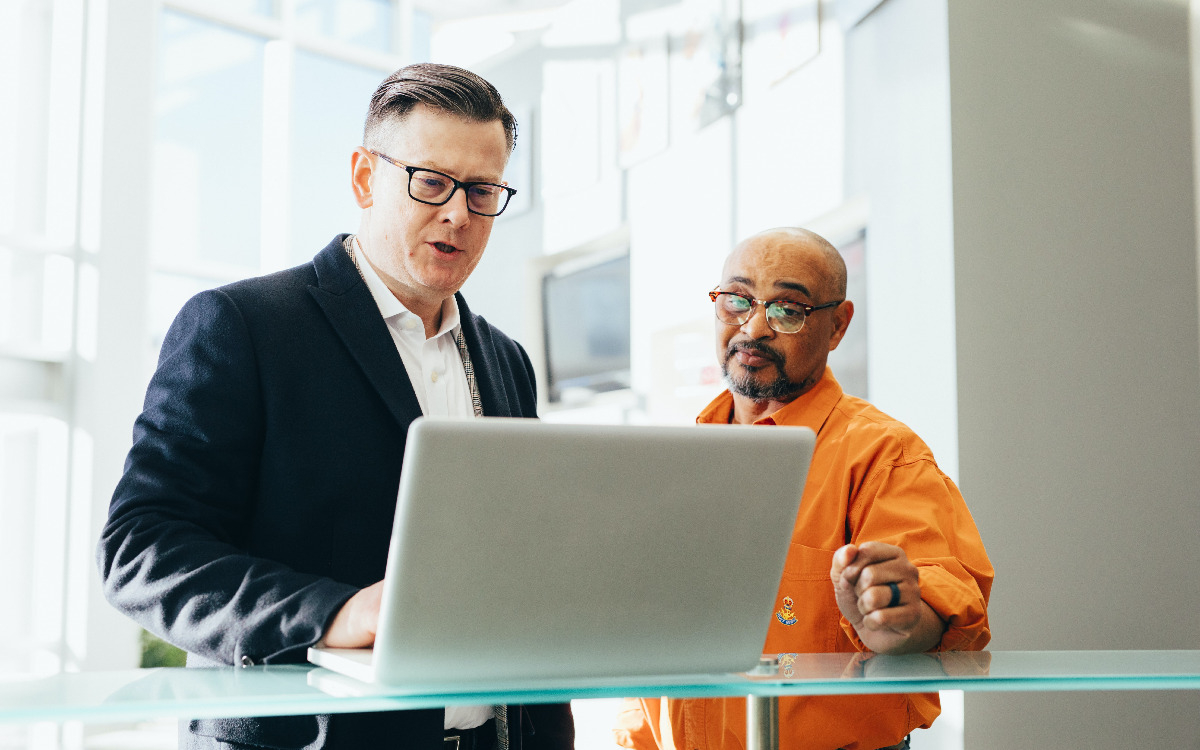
[(409, 324), (434, 377)]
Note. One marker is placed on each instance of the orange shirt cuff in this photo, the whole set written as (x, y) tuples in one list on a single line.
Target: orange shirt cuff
[(960, 605)]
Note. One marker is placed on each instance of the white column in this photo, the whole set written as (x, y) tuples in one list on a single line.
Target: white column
[(118, 145)]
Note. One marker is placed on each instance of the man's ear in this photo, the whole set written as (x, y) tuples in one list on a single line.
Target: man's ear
[(842, 314), (362, 172)]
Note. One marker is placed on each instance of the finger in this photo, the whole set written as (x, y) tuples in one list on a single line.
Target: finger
[(894, 595), (869, 554), (880, 573), (875, 552), (843, 559), (889, 595), (901, 620)]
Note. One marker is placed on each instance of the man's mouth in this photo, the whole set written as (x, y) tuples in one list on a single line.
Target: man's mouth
[(445, 247), (752, 355)]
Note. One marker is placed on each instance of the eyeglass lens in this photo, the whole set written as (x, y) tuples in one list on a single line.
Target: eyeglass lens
[(482, 198), (782, 316)]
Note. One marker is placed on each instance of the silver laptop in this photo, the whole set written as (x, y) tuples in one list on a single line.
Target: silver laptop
[(530, 551)]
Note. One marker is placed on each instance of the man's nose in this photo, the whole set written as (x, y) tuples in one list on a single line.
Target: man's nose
[(756, 326), (454, 211)]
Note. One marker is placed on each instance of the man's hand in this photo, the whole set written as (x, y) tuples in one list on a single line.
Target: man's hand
[(861, 576), (355, 623)]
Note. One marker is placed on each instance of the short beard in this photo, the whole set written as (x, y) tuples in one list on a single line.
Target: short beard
[(744, 385)]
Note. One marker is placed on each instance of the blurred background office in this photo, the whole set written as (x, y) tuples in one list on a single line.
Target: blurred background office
[(1013, 185)]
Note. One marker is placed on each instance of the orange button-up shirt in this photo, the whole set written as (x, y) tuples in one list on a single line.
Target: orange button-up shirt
[(871, 479)]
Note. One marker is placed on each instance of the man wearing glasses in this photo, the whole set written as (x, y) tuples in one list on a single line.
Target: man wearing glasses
[(253, 517), (885, 557)]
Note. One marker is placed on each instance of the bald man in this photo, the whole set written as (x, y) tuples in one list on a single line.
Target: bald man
[(885, 556)]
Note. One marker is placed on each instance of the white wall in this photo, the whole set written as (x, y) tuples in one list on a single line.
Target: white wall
[(897, 93), (1078, 372), (898, 157)]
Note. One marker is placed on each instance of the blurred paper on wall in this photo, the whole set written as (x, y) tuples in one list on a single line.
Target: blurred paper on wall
[(643, 100), (779, 37), (705, 65)]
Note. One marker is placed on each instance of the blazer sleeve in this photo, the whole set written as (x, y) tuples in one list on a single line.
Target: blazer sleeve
[(172, 552)]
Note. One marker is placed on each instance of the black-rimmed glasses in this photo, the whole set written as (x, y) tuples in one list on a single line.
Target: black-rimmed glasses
[(436, 188), (784, 316)]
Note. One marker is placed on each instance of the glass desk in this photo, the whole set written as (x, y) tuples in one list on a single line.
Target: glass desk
[(139, 694)]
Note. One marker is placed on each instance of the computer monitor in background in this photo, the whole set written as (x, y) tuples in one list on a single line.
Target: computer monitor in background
[(585, 324)]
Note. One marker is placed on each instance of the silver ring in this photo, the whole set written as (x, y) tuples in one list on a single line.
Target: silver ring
[(895, 594)]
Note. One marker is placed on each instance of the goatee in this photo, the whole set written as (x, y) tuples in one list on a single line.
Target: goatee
[(746, 386)]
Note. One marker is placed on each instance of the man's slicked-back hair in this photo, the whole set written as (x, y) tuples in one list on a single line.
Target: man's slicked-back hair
[(452, 90)]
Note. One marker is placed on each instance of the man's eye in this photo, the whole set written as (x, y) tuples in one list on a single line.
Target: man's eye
[(736, 304), (784, 310)]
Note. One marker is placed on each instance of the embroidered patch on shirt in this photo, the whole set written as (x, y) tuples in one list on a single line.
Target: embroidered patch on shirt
[(785, 614)]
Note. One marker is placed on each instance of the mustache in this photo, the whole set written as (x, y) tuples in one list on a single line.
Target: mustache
[(754, 347)]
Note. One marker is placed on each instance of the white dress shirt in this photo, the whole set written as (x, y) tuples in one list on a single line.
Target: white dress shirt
[(434, 365), (435, 369)]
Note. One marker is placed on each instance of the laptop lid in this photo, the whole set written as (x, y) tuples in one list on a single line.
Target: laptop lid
[(526, 550)]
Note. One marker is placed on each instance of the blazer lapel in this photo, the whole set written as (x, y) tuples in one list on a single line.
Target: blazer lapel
[(488, 375), (351, 310)]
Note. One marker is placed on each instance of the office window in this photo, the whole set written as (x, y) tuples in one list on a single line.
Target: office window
[(368, 23), (251, 99), (208, 144), (33, 539), (250, 7), (328, 110), (254, 130), (40, 86)]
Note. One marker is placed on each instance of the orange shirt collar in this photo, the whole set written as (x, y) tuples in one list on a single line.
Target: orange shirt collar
[(809, 410)]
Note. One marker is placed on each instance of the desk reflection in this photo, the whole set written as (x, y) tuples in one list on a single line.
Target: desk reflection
[(869, 666)]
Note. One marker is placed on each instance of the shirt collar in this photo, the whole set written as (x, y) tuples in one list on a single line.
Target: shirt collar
[(808, 410), (390, 307)]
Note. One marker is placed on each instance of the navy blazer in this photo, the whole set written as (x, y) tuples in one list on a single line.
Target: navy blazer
[(259, 492)]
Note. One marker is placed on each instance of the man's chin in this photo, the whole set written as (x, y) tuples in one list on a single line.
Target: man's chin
[(753, 390), (746, 385)]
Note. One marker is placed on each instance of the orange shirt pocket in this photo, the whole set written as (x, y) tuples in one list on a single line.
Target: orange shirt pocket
[(806, 617)]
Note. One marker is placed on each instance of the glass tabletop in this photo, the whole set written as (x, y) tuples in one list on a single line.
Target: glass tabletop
[(139, 694)]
